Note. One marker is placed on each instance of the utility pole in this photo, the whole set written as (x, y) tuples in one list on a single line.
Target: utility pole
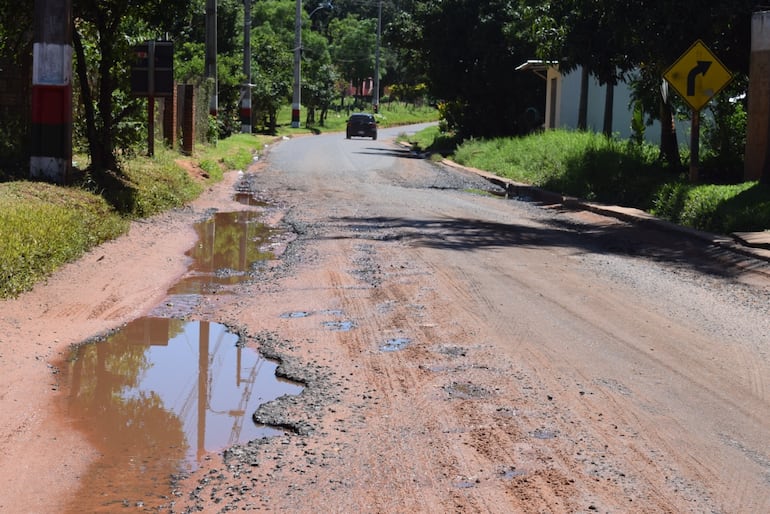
[(246, 88), (376, 93), (51, 144), (296, 100), (211, 54), (757, 153)]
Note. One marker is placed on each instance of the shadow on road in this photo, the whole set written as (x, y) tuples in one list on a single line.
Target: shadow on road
[(463, 234)]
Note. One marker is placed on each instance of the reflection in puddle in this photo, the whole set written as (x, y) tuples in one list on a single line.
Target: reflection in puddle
[(229, 245), (158, 395), (162, 393)]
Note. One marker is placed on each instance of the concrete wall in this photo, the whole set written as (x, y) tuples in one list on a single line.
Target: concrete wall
[(562, 107)]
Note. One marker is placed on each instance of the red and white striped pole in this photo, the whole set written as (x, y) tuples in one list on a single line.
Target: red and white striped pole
[(51, 145)]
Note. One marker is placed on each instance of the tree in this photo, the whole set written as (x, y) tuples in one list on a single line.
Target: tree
[(272, 65), (319, 76), (102, 66), (352, 47), (607, 38), (470, 51)]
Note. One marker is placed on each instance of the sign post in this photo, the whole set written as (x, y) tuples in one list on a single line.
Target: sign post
[(697, 76), (152, 74)]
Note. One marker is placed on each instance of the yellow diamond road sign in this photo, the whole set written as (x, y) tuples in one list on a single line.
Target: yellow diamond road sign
[(698, 75)]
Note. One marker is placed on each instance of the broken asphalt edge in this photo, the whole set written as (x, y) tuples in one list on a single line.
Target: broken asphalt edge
[(738, 242)]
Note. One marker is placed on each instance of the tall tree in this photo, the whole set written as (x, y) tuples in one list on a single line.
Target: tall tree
[(101, 62), (470, 54), (352, 47)]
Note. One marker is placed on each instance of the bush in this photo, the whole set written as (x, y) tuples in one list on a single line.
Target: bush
[(592, 167), (716, 208)]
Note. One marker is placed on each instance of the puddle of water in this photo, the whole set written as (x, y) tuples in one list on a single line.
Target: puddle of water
[(247, 198), (296, 314), (512, 473), (157, 396), (394, 345), (339, 326), (541, 433), (465, 484), (229, 245)]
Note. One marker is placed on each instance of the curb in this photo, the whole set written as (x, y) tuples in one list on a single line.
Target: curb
[(739, 243)]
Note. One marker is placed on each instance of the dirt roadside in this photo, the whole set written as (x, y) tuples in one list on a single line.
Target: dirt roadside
[(435, 399), (40, 456)]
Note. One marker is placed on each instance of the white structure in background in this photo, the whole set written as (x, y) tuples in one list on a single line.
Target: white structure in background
[(562, 100)]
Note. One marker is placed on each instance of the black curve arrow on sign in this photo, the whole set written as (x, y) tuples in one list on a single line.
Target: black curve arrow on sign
[(700, 69)]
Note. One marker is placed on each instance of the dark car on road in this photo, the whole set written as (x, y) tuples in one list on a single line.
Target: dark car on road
[(361, 124)]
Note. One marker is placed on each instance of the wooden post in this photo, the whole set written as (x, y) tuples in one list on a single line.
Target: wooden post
[(188, 120), (169, 119)]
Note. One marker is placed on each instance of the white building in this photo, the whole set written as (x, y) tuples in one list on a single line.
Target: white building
[(562, 101)]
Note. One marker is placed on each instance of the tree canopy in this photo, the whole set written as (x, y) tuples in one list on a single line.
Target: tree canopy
[(462, 53)]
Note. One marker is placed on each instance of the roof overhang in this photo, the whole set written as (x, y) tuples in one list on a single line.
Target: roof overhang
[(537, 67)]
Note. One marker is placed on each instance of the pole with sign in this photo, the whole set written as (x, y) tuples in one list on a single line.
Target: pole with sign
[(697, 76), (152, 74)]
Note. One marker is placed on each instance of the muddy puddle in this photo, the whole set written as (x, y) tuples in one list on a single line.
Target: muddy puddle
[(163, 393), (230, 245)]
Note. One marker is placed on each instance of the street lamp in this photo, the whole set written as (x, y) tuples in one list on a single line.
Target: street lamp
[(296, 97)]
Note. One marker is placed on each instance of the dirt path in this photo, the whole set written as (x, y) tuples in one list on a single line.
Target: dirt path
[(460, 354)]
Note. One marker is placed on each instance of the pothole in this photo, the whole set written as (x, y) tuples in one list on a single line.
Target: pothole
[(395, 344), (339, 326), (158, 396), (161, 394), (230, 245), (177, 389)]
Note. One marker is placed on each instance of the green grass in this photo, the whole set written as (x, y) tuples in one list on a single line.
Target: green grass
[(43, 226), (592, 167), (722, 209), (233, 153)]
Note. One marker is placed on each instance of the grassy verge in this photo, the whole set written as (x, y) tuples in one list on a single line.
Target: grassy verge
[(595, 168), (43, 226)]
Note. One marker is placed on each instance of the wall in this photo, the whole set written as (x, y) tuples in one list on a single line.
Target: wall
[(567, 100)]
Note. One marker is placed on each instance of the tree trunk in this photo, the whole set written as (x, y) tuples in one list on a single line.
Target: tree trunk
[(582, 123), (669, 147), (106, 88), (609, 103), (87, 98)]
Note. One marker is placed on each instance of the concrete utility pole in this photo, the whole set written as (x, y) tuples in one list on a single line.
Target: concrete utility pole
[(757, 158), (296, 100), (296, 97), (376, 92), (211, 54), (51, 145), (246, 88)]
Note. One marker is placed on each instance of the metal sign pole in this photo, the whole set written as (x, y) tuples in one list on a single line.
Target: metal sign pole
[(695, 146), (151, 99)]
